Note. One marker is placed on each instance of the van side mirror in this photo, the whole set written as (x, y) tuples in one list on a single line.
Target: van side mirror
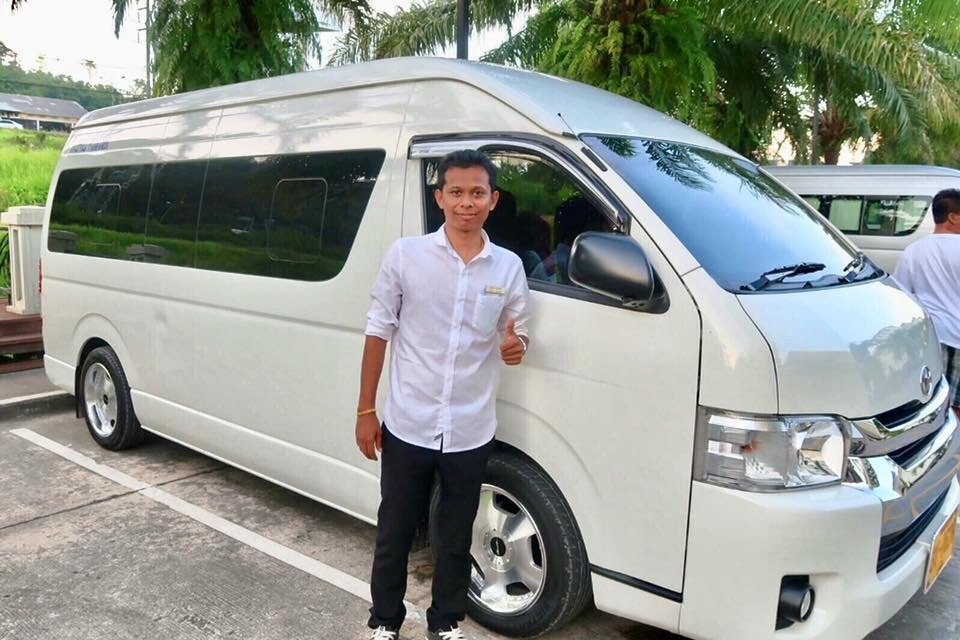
[(616, 266)]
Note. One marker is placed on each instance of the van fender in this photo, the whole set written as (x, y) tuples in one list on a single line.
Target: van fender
[(529, 435), (97, 327)]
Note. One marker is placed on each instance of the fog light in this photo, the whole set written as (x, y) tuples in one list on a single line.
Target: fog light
[(796, 601)]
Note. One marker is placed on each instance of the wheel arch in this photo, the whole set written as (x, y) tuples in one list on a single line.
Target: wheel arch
[(523, 434), (501, 446), (94, 331), (563, 597), (88, 346)]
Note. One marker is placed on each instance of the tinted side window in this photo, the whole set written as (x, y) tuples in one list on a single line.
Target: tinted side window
[(898, 216), (99, 211), (844, 213), (540, 213), (876, 216), (285, 216), (231, 234), (295, 226), (172, 219)]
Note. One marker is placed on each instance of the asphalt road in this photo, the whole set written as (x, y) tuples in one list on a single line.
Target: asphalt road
[(182, 547)]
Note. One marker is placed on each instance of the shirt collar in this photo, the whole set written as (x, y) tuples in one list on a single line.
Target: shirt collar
[(441, 239)]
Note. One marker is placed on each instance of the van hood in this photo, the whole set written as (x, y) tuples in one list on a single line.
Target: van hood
[(854, 351)]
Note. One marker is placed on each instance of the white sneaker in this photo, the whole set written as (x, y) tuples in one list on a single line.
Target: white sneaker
[(383, 633), (453, 633)]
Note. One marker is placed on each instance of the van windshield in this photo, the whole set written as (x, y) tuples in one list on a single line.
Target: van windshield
[(749, 232)]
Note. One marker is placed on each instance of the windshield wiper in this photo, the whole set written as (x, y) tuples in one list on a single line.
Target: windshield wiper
[(785, 272)]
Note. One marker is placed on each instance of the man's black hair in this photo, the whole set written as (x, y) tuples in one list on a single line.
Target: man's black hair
[(945, 203), (464, 159)]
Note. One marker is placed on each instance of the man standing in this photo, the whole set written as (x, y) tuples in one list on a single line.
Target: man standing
[(930, 270), (446, 301)]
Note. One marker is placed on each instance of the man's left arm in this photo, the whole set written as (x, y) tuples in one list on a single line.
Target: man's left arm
[(515, 318)]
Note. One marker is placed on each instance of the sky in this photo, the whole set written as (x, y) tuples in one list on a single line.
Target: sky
[(68, 32)]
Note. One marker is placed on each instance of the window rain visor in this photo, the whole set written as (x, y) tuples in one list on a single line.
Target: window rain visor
[(738, 222)]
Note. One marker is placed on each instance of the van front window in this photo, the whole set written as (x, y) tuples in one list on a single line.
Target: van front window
[(749, 232)]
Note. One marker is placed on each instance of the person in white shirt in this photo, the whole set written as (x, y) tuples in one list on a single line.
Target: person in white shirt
[(452, 304), (930, 270)]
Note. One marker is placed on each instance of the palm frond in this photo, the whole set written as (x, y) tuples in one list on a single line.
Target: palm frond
[(422, 29), (886, 45), (527, 47), (119, 13)]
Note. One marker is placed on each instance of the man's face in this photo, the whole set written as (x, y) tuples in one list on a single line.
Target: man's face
[(466, 198)]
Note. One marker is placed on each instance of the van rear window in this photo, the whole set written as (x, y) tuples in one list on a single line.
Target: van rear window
[(289, 216)]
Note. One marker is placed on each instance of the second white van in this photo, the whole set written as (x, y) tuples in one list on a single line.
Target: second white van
[(881, 208)]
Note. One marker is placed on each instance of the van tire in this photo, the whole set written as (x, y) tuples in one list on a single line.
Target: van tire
[(566, 585), (110, 418)]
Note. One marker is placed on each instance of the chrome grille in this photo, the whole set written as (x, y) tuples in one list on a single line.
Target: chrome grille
[(907, 462), (896, 429), (904, 455)]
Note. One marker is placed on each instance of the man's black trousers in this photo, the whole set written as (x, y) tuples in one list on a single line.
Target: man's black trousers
[(407, 473)]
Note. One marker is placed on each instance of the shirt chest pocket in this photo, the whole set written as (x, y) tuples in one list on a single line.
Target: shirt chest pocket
[(486, 316)]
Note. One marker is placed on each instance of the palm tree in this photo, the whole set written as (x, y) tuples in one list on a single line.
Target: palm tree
[(735, 69), (7, 55), (91, 68), (862, 61)]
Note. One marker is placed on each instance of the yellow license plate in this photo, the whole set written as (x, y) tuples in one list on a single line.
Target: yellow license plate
[(941, 550)]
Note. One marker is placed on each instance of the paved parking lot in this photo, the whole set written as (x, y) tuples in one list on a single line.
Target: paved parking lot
[(206, 551)]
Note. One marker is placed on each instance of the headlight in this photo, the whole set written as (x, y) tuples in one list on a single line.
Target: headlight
[(770, 453)]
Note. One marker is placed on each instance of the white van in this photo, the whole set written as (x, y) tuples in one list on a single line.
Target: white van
[(883, 208), (731, 428)]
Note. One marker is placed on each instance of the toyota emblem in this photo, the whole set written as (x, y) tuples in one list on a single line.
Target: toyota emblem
[(926, 380)]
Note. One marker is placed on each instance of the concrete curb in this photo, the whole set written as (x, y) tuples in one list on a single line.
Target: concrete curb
[(36, 404)]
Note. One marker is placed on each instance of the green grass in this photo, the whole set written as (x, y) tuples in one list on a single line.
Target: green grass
[(27, 162), (217, 256)]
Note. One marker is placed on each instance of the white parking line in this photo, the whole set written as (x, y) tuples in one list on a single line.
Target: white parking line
[(35, 396), (284, 554)]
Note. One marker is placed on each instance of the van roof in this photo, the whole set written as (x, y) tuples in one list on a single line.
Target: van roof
[(865, 170), (555, 104)]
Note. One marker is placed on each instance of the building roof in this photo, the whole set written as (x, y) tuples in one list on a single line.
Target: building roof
[(37, 106), (864, 170), (555, 104)]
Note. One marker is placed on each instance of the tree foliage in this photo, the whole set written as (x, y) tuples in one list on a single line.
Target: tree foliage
[(206, 43), (425, 27), (858, 61), (14, 79), (7, 54), (641, 49), (738, 70)]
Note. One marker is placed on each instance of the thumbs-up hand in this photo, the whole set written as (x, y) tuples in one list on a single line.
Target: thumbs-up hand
[(512, 348)]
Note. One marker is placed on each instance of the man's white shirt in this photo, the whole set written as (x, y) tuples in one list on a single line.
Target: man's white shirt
[(445, 321), (930, 270)]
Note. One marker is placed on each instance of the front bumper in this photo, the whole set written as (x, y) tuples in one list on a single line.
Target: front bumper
[(742, 544)]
